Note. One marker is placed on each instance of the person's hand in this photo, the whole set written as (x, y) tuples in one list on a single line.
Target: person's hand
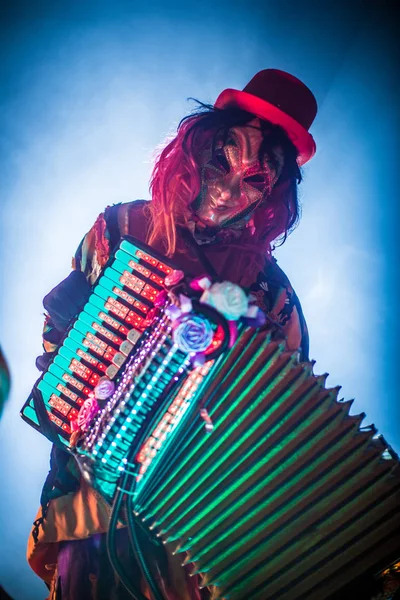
[(66, 300)]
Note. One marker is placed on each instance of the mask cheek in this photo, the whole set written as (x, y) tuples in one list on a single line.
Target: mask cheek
[(252, 194)]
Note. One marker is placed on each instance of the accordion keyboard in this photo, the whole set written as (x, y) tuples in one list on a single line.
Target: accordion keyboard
[(103, 335)]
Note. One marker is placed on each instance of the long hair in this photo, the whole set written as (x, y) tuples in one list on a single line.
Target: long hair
[(176, 179)]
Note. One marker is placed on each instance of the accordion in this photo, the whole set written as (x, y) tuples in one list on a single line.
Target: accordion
[(243, 461)]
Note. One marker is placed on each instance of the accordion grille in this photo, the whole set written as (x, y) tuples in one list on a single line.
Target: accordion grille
[(286, 498)]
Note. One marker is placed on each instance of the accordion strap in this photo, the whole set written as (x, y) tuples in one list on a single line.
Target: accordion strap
[(191, 243), (111, 217)]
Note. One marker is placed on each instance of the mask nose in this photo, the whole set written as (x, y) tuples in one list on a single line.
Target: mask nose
[(225, 195), (230, 191)]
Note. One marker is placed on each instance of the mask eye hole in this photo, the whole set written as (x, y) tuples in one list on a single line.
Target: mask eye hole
[(258, 181), (219, 161)]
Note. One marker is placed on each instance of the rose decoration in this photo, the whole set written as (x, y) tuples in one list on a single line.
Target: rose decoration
[(87, 412), (192, 333), (150, 317), (228, 298), (200, 283), (104, 389), (174, 277), (161, 299), (173, 312), (185, 303)]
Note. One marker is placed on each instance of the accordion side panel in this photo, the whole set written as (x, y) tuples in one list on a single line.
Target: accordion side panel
[(192, 448), (193, 430), (269, 418)]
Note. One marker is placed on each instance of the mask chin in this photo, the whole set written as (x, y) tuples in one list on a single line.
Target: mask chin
[(237, 222), (242, 218)]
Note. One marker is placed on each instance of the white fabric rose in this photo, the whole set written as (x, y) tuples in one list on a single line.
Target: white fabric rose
[(227, 298)]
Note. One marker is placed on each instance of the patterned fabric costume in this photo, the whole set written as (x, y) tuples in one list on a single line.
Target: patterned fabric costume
[(74, 511)]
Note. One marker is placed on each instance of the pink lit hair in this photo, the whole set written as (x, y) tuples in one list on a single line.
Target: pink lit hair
[(176, 180)]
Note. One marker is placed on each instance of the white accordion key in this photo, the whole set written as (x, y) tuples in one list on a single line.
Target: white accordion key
[(134, 335), (119, 359), (111, 371), (126, 347)]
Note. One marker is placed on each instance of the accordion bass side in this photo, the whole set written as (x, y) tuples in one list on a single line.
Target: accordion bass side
[(247, 466), (286, 498)]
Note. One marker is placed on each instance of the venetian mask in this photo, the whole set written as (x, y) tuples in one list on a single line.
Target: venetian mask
[(233, 180)]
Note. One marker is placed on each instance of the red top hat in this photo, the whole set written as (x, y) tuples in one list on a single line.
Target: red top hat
[(282, 99)]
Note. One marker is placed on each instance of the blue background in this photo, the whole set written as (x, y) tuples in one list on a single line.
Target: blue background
[(90, 89)]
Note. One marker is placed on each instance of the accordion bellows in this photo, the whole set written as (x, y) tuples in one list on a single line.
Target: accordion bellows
[(283, 496), (286, 498)]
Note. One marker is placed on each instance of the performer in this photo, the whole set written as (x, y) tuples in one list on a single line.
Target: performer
[(223, 194)]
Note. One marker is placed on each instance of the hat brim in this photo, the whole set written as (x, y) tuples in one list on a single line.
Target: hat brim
[(301, 138)]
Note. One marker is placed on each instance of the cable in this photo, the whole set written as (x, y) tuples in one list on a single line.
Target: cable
[(111, 549), (132, 529)]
